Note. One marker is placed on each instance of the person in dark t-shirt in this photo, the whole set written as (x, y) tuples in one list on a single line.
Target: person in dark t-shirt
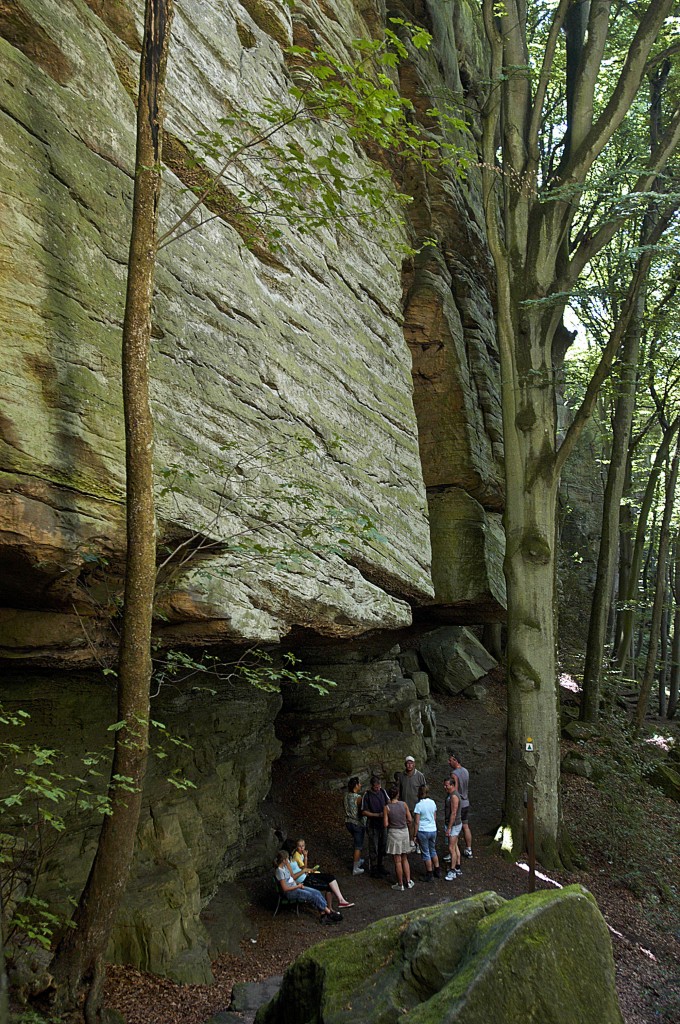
[(374, 801)]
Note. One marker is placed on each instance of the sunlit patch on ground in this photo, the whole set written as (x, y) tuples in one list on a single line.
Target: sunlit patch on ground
[(568, 682), (662, 742), (539, 874)]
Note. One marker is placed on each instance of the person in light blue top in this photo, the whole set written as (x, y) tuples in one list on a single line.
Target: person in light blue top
[(425, 816)]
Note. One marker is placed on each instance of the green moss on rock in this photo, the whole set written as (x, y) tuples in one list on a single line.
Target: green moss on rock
[(543, 958)]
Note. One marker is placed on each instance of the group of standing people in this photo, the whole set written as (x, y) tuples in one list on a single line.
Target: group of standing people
[(398, 822), (402, 820)]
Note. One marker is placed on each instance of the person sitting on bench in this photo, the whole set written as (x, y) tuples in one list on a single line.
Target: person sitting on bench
[(297, 892), (314, 878)]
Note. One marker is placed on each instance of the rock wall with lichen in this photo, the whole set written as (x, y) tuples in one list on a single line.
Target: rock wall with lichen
[(333, 360), (332, 389)]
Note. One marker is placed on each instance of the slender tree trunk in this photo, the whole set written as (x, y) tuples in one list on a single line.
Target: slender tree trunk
[(665, 650), (674, 688), (4, 991), (675, 646), (643, 606), (628, 612), (626, 531), (623, 421), (77, 964), (660, 588)]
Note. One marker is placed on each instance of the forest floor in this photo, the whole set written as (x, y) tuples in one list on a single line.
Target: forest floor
[(628, 842)]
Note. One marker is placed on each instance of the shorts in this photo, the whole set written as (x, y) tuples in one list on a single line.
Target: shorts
[(398, 841), (428, 841), (357, 833), (465, 814), (455, 831)]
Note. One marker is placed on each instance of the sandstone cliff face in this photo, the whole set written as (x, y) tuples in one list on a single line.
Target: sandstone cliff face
[(334, 362), (250, 355)]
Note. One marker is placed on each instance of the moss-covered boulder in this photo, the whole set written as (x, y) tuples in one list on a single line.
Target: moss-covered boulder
[(579, 730), (544, 958), (667, 779), (574, 762)]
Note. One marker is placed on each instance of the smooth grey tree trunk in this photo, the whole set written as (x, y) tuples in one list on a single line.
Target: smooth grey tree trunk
[(664, 644), (609, 538), (659, 591), (628, 612), (674, 685)]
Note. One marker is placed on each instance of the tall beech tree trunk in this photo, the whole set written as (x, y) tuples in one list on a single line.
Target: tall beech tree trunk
[(77, 963), (659, 592), (537, 263), (626, 532), (609, 535), (530, 529)]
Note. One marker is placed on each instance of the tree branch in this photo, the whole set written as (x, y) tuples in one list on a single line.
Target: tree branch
[(517, 87), (604, 366), (543, 82), (624, 92), (587, 74), (592, 244)]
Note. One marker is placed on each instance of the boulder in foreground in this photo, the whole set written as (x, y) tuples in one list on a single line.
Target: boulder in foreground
[(543, 958)]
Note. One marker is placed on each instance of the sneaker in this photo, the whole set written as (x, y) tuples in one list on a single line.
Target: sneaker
[(414, 847), (451, 876), (467, 852), (361, 862), (410, 883), (437, 872), (400, 888), (335, 915), (357, 871), (429, 876), (447, 856), (459, 873)]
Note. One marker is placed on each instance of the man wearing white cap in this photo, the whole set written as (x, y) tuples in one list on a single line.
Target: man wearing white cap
[(410, 781)]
